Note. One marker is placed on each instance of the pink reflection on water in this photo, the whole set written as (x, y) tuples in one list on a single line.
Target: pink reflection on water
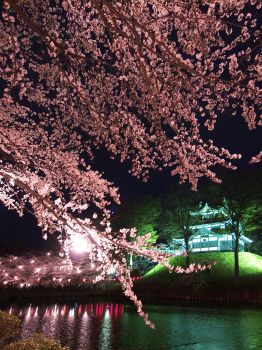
[(72, 324), (63, 311), (47, 313), (80, 310), (36, 312), (116, 312), (96, 310)]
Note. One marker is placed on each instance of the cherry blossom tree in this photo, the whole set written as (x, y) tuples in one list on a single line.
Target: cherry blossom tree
[(136, 78)]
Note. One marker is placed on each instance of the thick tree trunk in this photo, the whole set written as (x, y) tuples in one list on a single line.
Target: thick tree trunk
[(187, 251), (236, 260)]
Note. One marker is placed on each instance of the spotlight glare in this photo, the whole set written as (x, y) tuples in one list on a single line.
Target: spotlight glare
[(79, 244)]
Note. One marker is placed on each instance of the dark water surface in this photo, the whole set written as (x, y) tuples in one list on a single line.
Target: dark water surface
[(106, 326)]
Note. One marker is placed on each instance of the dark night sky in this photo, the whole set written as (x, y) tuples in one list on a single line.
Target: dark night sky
[(230, 132)]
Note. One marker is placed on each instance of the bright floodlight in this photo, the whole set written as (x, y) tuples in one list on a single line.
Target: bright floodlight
[(79, 244)]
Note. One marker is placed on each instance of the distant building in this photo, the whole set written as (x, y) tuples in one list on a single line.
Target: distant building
[(212, 233)]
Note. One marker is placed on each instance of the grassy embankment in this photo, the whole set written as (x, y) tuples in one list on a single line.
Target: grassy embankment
[(215, 284), (221, 272)]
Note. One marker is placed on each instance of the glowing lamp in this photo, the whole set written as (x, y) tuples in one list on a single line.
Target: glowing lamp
[(79, 244)]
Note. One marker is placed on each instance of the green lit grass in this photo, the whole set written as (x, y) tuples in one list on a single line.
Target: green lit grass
[(222, 273)]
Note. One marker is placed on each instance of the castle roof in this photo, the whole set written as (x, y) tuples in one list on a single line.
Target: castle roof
[(206, 210)]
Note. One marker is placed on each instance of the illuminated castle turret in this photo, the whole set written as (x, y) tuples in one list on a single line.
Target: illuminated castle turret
[(213, 231)]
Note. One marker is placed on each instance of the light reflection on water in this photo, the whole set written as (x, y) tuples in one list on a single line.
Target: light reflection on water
[(105, 326), (71, 324)]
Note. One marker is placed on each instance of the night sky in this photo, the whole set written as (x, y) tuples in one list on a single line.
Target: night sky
[(22, 234)]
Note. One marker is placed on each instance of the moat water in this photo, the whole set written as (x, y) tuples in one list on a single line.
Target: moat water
[(108, 326)]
